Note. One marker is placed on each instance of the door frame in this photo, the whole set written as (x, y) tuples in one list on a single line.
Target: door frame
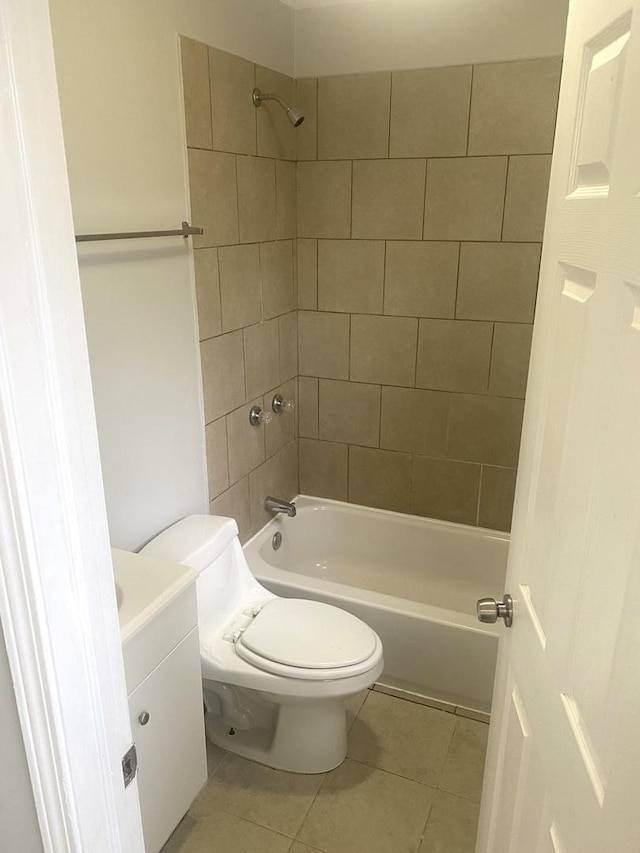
[(58, 606)]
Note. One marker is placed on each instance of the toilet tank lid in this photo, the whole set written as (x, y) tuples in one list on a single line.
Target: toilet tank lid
[(195, 541)]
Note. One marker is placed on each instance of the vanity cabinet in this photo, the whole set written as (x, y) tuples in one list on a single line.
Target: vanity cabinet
[(166, 723), (161, 649)]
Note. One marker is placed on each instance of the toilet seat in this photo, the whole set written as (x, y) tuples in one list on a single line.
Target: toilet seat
[(298, 638)]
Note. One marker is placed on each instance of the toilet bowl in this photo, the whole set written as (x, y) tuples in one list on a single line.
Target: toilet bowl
[(276, 671)]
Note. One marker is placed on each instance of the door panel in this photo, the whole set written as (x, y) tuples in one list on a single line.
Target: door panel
[(564, 750)]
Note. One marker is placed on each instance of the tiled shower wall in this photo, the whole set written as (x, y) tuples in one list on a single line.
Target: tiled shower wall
[(242, 186), (419, 214), (420, 203)]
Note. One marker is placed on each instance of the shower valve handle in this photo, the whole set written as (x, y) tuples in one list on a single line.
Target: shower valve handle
[(489, 610)]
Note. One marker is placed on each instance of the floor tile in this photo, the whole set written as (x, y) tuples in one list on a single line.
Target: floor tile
[(224, 832), (360, 809), (215, 757), (402, 737), (271, 798), (465, 764), (452, 826)]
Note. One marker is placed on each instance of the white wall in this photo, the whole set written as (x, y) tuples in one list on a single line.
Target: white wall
[(19, 828), (118, 75), (381, 35)]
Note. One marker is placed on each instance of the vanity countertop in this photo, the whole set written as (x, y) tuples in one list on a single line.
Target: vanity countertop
[(145, 586)]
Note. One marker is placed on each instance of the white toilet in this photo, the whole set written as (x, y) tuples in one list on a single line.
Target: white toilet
[(277, 671)]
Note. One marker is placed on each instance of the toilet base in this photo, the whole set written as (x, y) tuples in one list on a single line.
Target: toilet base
[(302, 736)]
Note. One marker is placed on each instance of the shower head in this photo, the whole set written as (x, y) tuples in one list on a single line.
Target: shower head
[(294, 116)]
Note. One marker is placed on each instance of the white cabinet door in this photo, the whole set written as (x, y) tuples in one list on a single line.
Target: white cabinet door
[(564, 755), (172, 765)]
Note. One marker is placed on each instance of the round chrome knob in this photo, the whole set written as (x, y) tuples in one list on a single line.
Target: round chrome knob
[(489, 610), (143, 718)]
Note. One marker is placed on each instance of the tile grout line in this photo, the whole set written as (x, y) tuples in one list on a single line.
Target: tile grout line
[(470, 105), (504, 199)]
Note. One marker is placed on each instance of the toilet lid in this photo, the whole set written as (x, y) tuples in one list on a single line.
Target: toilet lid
[(308, 635)]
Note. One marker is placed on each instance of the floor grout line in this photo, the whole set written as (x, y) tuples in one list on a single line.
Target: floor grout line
[(434, 786)]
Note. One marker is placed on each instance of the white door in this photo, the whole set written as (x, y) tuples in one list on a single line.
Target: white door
[(58, 612), (563, 769)]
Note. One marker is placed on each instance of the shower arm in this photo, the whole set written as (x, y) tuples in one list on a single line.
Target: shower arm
[(293, 115), (259, 97)]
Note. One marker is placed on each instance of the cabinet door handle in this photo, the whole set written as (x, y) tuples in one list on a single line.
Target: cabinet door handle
[(143, 718)]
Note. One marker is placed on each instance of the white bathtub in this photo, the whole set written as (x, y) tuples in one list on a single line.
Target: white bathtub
[(414, 580)]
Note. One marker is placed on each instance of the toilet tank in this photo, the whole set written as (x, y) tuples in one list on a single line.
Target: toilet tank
[(209, 544)]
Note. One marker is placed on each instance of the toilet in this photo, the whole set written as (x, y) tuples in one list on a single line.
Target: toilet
[(276, 671)]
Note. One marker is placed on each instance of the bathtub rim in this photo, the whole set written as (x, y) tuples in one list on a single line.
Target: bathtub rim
[(312, 502), (389, 603)]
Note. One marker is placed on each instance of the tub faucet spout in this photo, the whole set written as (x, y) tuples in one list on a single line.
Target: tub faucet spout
[(277, 505)]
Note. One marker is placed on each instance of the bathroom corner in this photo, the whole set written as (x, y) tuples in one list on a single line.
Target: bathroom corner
[(242, 187)]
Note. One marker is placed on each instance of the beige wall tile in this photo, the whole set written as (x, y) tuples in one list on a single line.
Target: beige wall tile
[(414, 421), (498, 281), (307, 273), (421, 278), (353, 116), (351, 275), (306, 133), (526, 201), (465, 198), (195, 85), (496, 497), (383, 349), (276, 274), (323, 344), (217, 457), (324, 199), (262, 357), (349, 412), (246, 442), (380, 478), (222, 375), (323, 469), (233, 113), (454, 355), (445, 489), (207, 292), (214, 197), (430, 112), (256, 199), (388, 199), (275, 131), (288, 334), (308, 406), (234, 503), (285, 200), (282, 428), (278, 477), (513, 107), (239, 286), (510, 359), (485, 429)]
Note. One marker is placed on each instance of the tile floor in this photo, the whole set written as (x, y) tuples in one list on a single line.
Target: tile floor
[(410, 784)]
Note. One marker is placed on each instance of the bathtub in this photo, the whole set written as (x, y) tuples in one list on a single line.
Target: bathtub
[(414, 580)]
